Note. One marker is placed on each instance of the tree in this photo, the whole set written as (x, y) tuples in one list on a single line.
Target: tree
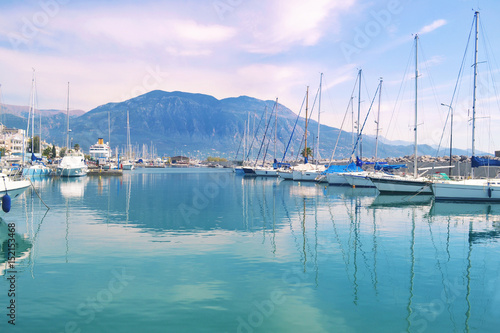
[(62, 152), (309, 152), (76, 146), (47, 151), (36, 141), (3, 151), (54, 151)]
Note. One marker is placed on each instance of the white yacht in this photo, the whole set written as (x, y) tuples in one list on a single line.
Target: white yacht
[(72, 165)]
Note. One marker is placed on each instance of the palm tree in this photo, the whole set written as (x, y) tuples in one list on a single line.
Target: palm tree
[(309, 152)]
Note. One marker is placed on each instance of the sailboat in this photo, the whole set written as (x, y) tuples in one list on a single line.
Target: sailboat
[(73, 163), (484, 190), (37, 168), (405, 184), (263, 170), (360, 178), (127, 165), (307, 171)]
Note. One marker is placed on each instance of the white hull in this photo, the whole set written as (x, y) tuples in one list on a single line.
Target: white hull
[(13, 187), (72, 172), (266, 172), (358, 179), (391, 184), (288, 175), (481, 190), (306, 175), (127, 166), (336, 178)]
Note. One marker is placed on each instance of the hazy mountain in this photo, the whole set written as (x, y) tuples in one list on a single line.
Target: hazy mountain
[(198, 125)]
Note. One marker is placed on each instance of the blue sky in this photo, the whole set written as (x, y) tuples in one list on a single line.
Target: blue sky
[(114, 50)]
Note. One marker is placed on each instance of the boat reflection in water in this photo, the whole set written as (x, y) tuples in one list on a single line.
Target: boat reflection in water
[(384, 200), (21, 249)]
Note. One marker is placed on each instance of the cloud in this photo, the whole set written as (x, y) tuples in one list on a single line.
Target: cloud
[(433, 26), (284, 24)]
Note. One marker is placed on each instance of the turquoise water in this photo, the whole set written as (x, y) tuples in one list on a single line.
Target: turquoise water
[(203, 250)]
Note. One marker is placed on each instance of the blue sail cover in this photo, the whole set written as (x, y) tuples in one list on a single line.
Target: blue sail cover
[(351, 167), (389, 167), (34, 158), (479, 161)]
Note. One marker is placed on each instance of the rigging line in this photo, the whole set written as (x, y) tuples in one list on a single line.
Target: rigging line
[(264, 138), (487, 49), (364, 123), (459, 78), (433, 86), (403, 82), (307, 124), (293, 130), (343, 120), (254, 135)]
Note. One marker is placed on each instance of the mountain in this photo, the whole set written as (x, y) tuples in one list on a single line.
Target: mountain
[(180, 123)]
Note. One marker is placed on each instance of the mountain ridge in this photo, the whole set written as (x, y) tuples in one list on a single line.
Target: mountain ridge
[(201, 125)]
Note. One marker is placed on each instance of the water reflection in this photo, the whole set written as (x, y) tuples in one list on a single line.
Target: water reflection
[(357, 259), (12, 252)]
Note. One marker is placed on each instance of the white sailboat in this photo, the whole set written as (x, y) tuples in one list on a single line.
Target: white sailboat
[(36, 168), (361, 178), (405, 184), (73, 162), (265, 170), (482, 190), (127, 165), (307, 171)]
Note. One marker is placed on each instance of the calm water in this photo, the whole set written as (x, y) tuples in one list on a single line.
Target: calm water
[(193, 250)]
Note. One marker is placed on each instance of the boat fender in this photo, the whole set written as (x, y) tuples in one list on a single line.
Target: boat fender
[(6, 201), (489, 192)]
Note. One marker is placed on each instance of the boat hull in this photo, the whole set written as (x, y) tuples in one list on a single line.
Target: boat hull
[(127, 166), (336, 179), (401, 185), (476, 190), (266, 172), (13, 187), (358, 179), (309, 176), (71, 172), (36, 172), (287, 175)]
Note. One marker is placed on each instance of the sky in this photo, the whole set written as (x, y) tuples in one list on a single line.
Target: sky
[(111, 51)]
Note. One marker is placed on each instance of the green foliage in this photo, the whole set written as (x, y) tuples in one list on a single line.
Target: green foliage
[(76, 146), (54, 151), (47, 152), (216, 159), (62, 152), (309, 152)]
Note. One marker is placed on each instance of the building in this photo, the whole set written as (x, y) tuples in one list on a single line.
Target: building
[(13, 140), (179, 160)]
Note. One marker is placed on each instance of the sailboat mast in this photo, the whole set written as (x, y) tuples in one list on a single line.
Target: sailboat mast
[(378, 118), (305, 135), (359, 112), (67, 122), (416, 94), (275, 126), (33, 114), (319, 113), (476, 14), (129, 148)]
